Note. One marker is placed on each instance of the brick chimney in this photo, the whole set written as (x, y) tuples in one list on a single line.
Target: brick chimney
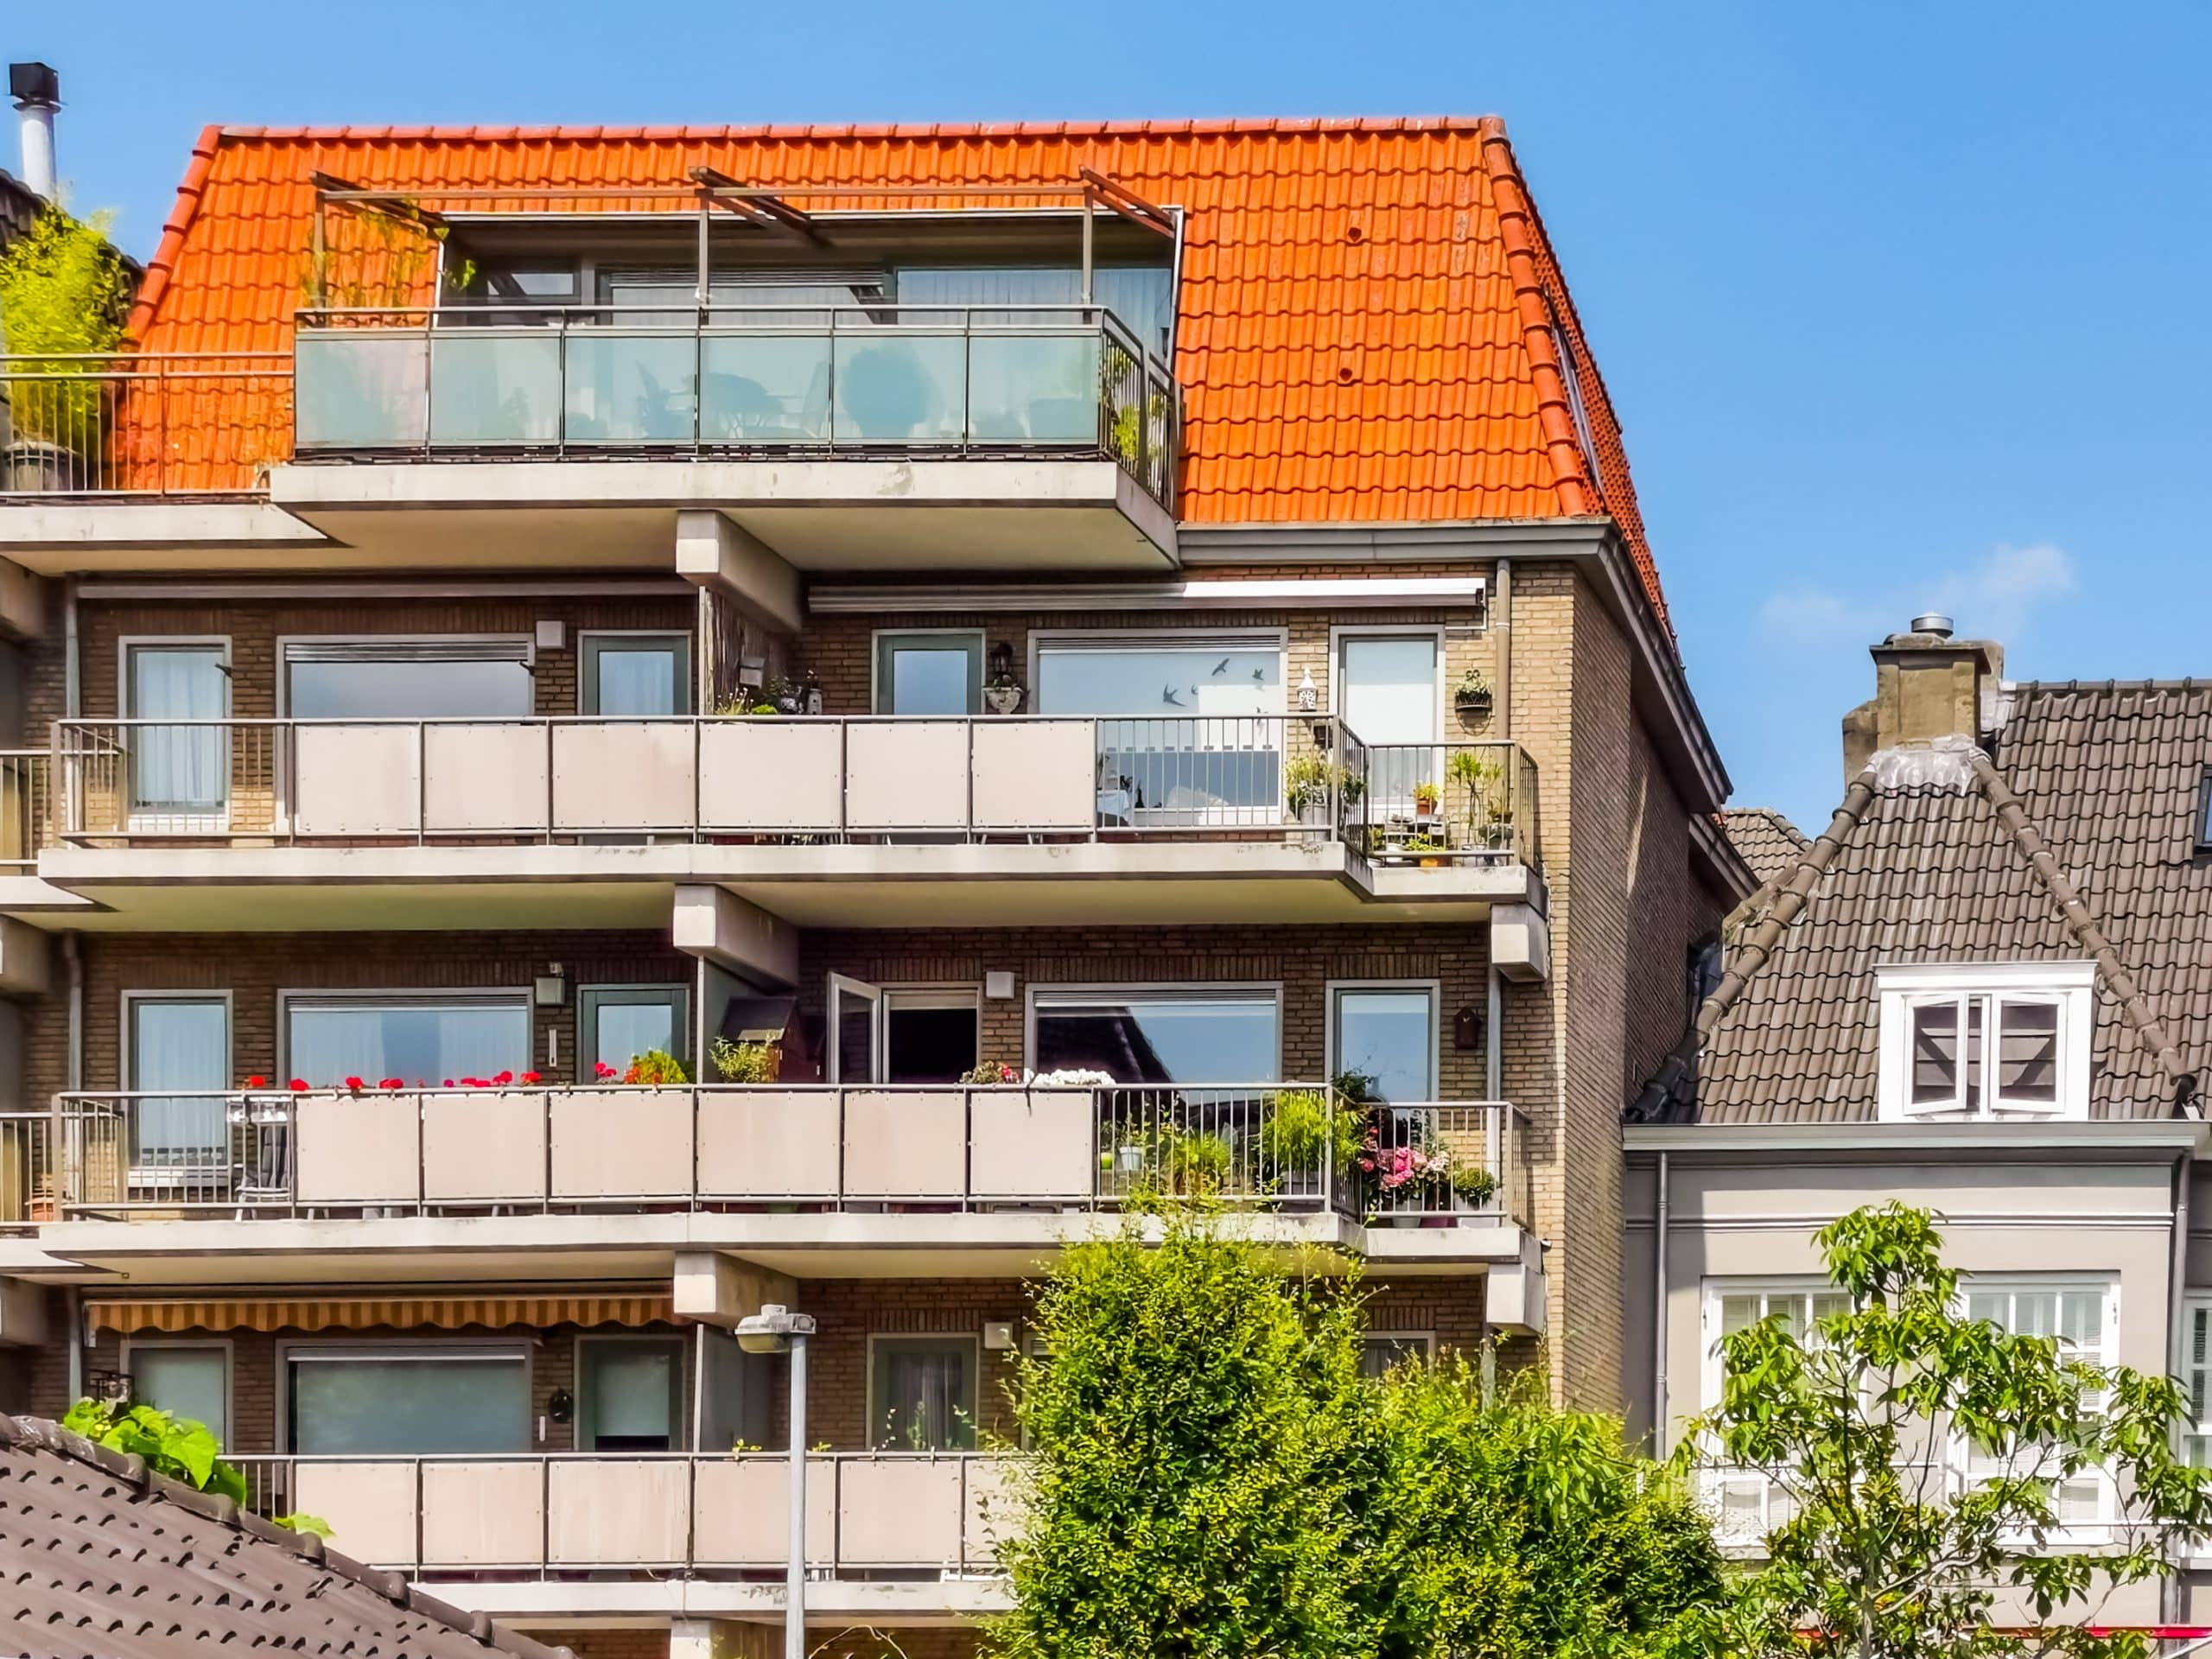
[(1926, 684)]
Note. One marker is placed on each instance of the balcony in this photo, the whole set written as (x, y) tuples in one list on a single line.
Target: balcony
[(939, 437), (589, 1531), (809, 816), (807, 1178)]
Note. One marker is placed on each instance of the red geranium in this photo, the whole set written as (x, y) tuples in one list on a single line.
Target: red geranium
[(391, 1082), (257, 1083), (355, 1084), (603, 1071), (298, 1085), (529, 1077)]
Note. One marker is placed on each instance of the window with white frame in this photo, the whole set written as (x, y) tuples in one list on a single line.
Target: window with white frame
[(2197, 1378), (1990, 1040), (1382, 1351), (2083, 1314), (1749, 1504)]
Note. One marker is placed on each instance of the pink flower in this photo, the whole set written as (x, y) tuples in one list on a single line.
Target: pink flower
[(298, 1085), (449, 1083), (601, 1070), (257, 1083)]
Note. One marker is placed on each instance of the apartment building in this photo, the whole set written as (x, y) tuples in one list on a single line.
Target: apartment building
[(1982, 990), (1156, 614)]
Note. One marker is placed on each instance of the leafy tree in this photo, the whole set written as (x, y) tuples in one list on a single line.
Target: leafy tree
[(181, 1448), (1213, 1476), (1859, 1423), (63, 290)]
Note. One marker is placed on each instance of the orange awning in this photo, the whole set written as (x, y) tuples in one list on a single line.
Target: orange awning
[(361, 1313)]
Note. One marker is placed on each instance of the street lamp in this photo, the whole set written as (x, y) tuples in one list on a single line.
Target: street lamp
[(776, 1329)]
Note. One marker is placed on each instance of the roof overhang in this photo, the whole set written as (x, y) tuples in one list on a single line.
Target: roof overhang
[(2159, 1138)]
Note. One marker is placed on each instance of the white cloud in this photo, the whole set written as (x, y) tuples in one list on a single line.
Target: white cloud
[(1996, 597)]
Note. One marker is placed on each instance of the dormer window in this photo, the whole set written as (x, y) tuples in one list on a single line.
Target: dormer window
[(1993, 1040)]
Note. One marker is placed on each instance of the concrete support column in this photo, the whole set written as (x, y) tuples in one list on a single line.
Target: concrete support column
[(736, 933), (715, 553), (718, 1289)]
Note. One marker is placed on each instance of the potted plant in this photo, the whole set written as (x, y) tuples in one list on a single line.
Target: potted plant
[(655, 1067), (1406, 1179), (1003, 692), (1305, 780), (990, 1074), (1479, 776), (62, 294), (747, 1063), (1425, 799), (1194, 1165), (1427, 850), (1471, 697), (1472, 1186), (1301, 1126)]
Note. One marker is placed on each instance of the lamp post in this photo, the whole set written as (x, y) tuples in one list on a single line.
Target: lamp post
[(776, 1329)]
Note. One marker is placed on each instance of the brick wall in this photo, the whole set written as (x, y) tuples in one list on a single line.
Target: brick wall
[(633, 1642)]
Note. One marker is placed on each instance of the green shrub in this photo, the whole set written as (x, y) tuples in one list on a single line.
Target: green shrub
[(62, 290)]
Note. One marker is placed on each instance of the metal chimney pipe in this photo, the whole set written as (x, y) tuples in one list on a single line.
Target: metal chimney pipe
[(37, 92)]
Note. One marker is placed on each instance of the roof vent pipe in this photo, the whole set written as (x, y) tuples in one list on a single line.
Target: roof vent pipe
[(37, 92), (1933, 622)]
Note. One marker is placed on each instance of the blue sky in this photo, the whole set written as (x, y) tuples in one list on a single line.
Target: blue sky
[(1902, 305)]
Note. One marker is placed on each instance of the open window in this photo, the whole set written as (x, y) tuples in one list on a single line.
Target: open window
[(1994, 1040)]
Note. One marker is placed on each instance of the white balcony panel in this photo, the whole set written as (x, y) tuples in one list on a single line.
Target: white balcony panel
[(483, 1145), (625, 775), (767, 1143), (905, 1144), (994, 1510), (906, 774), (621, 1143), (483, 1514), (1032, 1143), (369, 1506), (354, 781), (771, 775), (357, 1149), (614, 1512), (900, 1512), (1036, 774), (484, 779), (742, 1517)]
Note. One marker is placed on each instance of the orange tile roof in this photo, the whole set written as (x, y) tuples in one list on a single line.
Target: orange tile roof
[(1366, 309)]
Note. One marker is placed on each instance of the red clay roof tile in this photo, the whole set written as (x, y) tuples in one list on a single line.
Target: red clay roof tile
[(1367, 305)]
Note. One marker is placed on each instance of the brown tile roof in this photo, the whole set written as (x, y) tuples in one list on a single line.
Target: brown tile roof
[(100, 1560), (1769, 844), (1367, 317), (2075, 838)]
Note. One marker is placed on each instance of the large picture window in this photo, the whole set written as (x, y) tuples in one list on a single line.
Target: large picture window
[(1197, 1036), (425, 678), (1190, 726), (419, 1037), (420, 1403)]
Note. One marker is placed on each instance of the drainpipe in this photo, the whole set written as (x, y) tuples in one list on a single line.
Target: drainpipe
[(1662, 1219), (72, 1309), (1503, 713), (71, 680), (1493, 1044), (2170, 1587)]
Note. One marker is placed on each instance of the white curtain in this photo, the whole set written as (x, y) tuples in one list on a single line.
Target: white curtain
[(183, 1044), (179, 769), (923, 1400), (415, 1040)]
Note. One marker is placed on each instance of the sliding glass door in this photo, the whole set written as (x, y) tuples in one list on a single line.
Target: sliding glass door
[(645, 675), (617, 1023), (1389, 695)]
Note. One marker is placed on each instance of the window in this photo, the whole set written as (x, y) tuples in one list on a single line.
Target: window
[(630, 1393), (635, 674), (419, 1037), (1387, 1032), (186, 1379), (929, 673), (423, 678), (930, 1035), (617, 1023), (2197, 1378), (177, 1060), (921, 1393), (1389, 693), (1227, 1035), (1749, 1506), (367, 1399), (1385, 1350), (2084, 1315), (1190, 725), (1140, 296), (179, 772), (2001, 1039), (2204, 814)]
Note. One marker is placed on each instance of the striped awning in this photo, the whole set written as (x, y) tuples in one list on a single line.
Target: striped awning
[(360, 1313)]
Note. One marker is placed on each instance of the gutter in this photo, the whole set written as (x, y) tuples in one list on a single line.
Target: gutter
[(2170, 1136)]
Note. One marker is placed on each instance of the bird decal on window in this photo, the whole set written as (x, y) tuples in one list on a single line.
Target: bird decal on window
[(1169, 696)]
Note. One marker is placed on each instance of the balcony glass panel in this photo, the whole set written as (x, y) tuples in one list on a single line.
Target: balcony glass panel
[(362, 387), (901, 390), (766, 388), (1033, 388), (494, 386), (631, 386)]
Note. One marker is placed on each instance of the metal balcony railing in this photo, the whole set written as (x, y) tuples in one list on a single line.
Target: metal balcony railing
[(1066, 381), (786, 779), (180, 423), (1041, 1146), (709, 1514)]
